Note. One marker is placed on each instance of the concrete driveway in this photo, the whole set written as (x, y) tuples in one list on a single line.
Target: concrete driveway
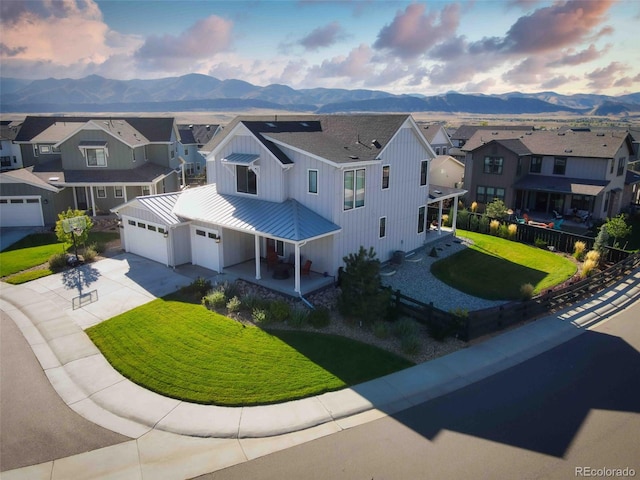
[(10, 235)]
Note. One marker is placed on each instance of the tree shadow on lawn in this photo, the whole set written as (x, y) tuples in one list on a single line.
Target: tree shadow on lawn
[(485, 275)]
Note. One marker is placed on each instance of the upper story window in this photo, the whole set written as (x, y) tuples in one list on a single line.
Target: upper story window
[(559, 165), (312, 181), (43, 149), (613, 163), (493, 165), (621, 163), (385, 176), (354, 188), (246, 180), (424, 172), (536, 165), (96, 157)]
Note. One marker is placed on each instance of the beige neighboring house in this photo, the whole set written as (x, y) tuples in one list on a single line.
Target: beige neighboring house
[(437, 137), (447, 171)]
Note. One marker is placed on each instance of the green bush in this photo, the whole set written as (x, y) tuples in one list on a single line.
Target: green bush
[(57, 262), (503, 231), (410, 344), (298, 317), (89, 254), (214, 299), (250, 302), (99, 247), (381, 329), (199, 287), (230, 289), (233, 305), (319, 318), (474, 223), (259, 316), (279, 310), (404, 327), (462, 221), (483, 224), (540, 243)]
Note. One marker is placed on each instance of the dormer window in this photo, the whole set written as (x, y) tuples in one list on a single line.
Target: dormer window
[(246, 171), (95, 153)]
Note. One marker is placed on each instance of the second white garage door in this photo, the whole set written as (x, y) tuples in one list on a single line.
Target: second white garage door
[(21, 212), (205, 248), (146, 239)]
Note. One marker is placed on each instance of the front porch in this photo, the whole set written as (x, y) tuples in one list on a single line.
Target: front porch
[(247, 271)]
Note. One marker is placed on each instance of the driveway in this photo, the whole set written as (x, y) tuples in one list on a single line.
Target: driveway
[(10, 235)]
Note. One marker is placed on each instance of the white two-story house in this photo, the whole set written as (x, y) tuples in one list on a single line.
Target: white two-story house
[(312, 188)]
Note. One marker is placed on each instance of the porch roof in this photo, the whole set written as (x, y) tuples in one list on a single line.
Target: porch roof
[(287, 221), (241, 158), (439, 192), (145, 174), (577, 186)]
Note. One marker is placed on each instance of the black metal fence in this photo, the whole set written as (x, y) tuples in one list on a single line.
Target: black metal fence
[(471, 325)]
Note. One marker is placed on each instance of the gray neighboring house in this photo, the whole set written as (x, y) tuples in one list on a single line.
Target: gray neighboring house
[(192, 138), (10, 155), (87, 163), (306, 188)]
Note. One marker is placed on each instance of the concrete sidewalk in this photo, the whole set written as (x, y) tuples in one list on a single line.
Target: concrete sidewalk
[(175, 439)]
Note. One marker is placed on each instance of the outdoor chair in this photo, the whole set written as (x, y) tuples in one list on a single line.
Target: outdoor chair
[(272, 259), (306, 268), (557, 215)]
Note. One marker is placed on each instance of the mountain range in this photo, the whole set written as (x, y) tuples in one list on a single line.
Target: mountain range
[(196, 92)]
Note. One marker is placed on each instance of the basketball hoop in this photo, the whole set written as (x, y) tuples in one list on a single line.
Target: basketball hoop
[(75, 226)]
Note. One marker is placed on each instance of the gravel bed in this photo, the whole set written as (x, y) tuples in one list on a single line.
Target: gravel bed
[(414, 279)]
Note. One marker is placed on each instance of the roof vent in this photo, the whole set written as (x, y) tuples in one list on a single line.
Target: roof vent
[(54, 179), (191, 127), (568, 150), (376, 143), (600, 134), (353, 157), (561, 134)]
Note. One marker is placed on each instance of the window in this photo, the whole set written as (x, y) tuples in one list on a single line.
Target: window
[(383, 227), (96, 157), (536, 165), (132, 222), (312, 183), (613, 162), (152, 228), (385, 176), (606, 201), (145, 190), (559, 165), (581, 202), (421, 218), (102, 192), (353, 189), (142, 225), (444, 150), (201, 233), (489, 194), (118, 192), (161, 230), (424, 172), (437, 150), (493, 165), (277, 245), (246, 180), (621, 163)]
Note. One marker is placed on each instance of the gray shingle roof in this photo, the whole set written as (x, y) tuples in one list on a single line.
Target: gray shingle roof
[(143, 174), (288, 220), (196, 134), (544, 183), (465, 132)]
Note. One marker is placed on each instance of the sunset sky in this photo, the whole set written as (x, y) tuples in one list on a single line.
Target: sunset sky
[(479, 46)]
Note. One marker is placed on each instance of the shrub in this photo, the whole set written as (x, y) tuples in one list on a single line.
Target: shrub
[(494, 225), (319, 318), (233, 305), (99, 247), (381, 329), (578, 250), (89, 254), (601, 241), (57, 262), (463, 219), (588, 268), (503, 231), (446, 220), (298, 317), (230, 289), (594, 256), (540, 243), (474, 223), (279, 310), (259, 316), (512, 230), (404, 327), (496, 209), (198, 287), (474, 207), (251, 302), (214, 299), (483, 224), (526, 291), (410, 344)]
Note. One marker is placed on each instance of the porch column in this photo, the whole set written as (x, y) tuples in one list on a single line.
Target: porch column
[(440, 217), (455, 215), (124, 190), (93, 202), (257, 254), (75, 198), (296, 272)]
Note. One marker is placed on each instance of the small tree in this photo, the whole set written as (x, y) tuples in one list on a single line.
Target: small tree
[(601, 241), (496, 209), (362, 294), (617, 228)]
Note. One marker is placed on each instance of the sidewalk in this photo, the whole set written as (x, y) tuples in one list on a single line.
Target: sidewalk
[(175, 439)]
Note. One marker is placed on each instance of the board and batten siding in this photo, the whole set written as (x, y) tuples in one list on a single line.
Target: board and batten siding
[(180, 245), (120, 155)]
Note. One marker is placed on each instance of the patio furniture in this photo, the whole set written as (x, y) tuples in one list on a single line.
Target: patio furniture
[(557, 215), (272, 259), (306, 268)]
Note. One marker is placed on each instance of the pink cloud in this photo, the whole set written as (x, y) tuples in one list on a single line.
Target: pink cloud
[(583, 56), (601, 78), (323, 36), (356, 65)]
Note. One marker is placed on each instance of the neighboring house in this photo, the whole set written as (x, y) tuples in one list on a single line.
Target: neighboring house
[(465, 132), (631, 194), (543, 171), (10, 156), (192, 139), (310, 188), (94, 163), (446, 171), (438, 138)]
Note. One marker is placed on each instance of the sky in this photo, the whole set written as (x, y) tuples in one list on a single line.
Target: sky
[(428, 48)]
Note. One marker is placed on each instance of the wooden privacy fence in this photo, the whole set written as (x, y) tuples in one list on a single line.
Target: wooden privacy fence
[(482, 322)]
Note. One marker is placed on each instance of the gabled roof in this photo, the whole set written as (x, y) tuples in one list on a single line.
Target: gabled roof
[(26, 176), (154, 129), (465, 132), (440, 160), (336, 138), (196, 134), (288, 220)]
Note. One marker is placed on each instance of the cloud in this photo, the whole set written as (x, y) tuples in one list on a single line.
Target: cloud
[(11, 52), (583, 56), (203, 39), (323, 37), (413, 32), (602, 78), (356, 65), (627, 81), (527, 72), (479, 87), (558, 81)]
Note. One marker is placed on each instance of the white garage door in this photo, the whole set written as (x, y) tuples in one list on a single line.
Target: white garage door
[(204, 248), (21, 212), (146, 239)]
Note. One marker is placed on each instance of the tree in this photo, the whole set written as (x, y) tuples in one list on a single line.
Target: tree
[(496, 209), (362, 294), (617, 228), (601, 241), (68, 237)]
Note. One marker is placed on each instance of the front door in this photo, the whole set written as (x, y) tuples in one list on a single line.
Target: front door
[(81, 198)]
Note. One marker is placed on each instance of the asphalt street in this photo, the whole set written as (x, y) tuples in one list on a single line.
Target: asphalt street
[(575, 406), (36, 425)]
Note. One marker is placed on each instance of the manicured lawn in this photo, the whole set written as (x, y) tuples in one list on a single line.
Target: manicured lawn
[(37, 248), (185, 351), (495, 268)]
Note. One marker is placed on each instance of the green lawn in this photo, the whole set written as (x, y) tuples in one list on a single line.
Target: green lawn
[(37, 248), (495, 268), (185, 351)]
